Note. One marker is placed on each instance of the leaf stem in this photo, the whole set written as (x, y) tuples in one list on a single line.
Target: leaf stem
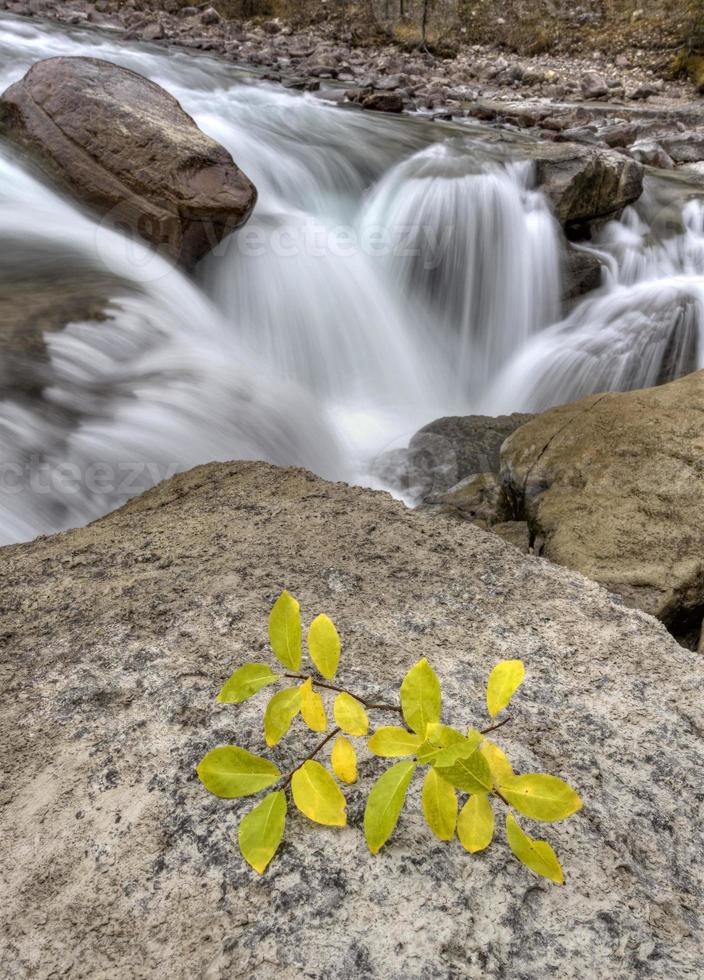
[(493, 728), (342, 690), (312, 755)]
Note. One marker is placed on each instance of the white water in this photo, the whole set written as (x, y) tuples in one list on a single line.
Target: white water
[(393, 272)]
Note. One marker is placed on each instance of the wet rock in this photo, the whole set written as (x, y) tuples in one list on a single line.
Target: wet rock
[(124, 147), (593, 85), (644, 92), (116, 638), (382, 102), (613, 485), (618, 135), (585, 183), (581, 273), (210, 16), (445, 451), (651, 154), (153, 32), (686, 147)]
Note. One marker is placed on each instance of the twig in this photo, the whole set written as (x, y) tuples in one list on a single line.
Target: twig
[(492, 728), (342, 690), (312, 755)]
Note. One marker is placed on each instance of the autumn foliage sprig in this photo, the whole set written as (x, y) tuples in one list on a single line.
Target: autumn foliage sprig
[(454, 762)]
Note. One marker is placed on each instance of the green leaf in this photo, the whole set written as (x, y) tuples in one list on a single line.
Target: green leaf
[(344, 760), (442, 744), (428, 753), (443, 735), (392, 741), (317, 795), (504, 681), (285, 631), (475, 826), (350, 715), (312, 708), (280, 712), (261, 831), (245, 682), (439, 805), (229, 772), (465, 767), (421, 697), (501, 769), (535, 854), (541, 797), (324, 645), (385, 803)]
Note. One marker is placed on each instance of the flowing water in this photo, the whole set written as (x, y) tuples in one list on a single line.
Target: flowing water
[(394, 271)]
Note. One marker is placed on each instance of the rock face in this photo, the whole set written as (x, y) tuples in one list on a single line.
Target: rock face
[(123, 146), (613, 487), (586, 183), (448, 450), (117, 863)]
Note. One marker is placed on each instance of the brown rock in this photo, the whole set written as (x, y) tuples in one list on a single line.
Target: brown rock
[(613, 485), (125, 147)]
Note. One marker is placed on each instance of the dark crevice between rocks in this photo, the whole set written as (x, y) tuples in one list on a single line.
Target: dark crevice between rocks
[(686, 627)]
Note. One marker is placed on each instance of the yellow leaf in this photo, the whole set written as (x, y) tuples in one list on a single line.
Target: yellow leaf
[(317, 795), (439, 805), (262, 830), (385, 803), (324, 645), (344, 760), (421, 697), (245, 682), (504, 681), (501, 769), (285, 631), (464, 767), (350, 715), (541, 797), (392, 741), (280, 712), (475, 826), (312, 708), (229, 772), (535, 854)]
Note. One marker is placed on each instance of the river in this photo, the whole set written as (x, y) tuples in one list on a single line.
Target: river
[(395, 271)]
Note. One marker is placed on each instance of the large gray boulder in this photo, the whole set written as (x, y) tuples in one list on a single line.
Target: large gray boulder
[(125, 148), (115, 639)]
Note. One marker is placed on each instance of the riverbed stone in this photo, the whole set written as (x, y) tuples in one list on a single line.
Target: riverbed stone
[(115, 640), (585, 183), (612, 485), (448, 450), (125, 148)]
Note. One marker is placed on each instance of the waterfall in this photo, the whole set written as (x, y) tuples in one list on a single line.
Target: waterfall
[(480, 257), (643, 328), (394, 271)]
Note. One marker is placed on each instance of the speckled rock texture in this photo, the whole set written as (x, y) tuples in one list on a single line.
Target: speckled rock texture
[(124, 147), (115, 639), (613, 486)]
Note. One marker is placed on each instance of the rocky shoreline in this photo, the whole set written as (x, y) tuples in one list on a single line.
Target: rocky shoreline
[(597, 100)]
